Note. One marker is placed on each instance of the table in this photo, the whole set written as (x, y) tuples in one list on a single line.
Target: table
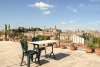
[(46, 42)]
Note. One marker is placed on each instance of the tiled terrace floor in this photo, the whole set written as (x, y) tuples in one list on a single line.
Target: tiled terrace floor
[(10, 56)]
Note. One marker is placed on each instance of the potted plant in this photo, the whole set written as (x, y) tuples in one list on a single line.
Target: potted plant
[(89, 42), (72, 47), (55, 45), (89, 49), (62, 46), (98, 49)]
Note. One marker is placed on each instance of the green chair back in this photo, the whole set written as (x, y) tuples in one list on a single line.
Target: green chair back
[(24, 45)]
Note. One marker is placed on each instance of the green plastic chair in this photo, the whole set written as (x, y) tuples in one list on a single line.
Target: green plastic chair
[(37, 47), (28, 53)]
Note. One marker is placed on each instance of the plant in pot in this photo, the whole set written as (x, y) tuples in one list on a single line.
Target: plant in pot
[(89, 49), (89, 42), (55, 45), (72, 47), (62, 46), (98, 49), (94, 46), (96, 42)]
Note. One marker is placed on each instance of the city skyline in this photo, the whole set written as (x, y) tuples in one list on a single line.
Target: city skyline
[(65, 14)]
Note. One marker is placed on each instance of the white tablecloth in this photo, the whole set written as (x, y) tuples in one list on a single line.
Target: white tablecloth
[(44, 42)]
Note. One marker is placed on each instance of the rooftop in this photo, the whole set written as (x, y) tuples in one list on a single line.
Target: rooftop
[(10, 56)]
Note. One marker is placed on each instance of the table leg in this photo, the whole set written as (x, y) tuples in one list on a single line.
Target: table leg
[(52, 53)]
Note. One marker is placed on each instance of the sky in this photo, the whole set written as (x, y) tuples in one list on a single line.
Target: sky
[(64, 14)]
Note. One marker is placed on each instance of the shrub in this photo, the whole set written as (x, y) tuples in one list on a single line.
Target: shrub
[(40, 37), (20, 36), (94, 46), (46, 37), (96, 42)]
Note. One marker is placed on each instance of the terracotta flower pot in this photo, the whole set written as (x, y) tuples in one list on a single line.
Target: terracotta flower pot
[(55, 45), (89, 50), (63, 46), (98, 51), (72, 48)]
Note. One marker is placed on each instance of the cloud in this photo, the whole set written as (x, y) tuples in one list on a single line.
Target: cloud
[(72, 9), (72, 22), (69, 22), (41, 5), (75, 10), (46, 12), (63, 23)]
